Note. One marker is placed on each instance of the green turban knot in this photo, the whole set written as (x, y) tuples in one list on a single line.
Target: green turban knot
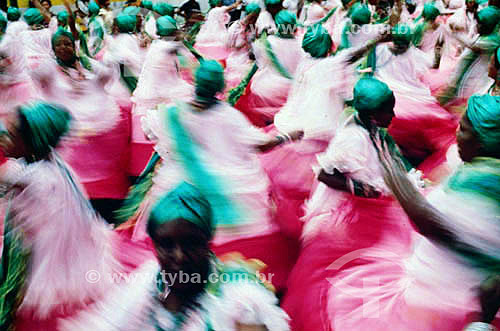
[(483, 111), (126, 23), (93, 8), (370, 93), (163, 9), (360, 14), (209, 80), (62, 17), (13, 14), (317, 41), (44, 125), (430, 12), (286, 22), (131, 10), (489, 17), (166, 26), (252, 7), (147, 4), (184, 202), (402, 34), (33, 16)]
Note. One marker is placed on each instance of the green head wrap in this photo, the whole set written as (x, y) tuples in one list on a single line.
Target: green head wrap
[(126, 23), (209, 80), (131, 10), (214, 3), (184, 202), (93, 8), (402, 34), (360, 14), (166, 26), (483, 111), (3, 23), (272, 2), (370, 93), (42, 126), (489, 17), (317, 41), (286, 22), (13, 14), (163, 9), (147, 4), (252, 7), (430, 12), (62, 17), (33, 16)]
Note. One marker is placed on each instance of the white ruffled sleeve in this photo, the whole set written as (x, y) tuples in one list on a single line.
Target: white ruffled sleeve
[(245, 302), (346, 152)]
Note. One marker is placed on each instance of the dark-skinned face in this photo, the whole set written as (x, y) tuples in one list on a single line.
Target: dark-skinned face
[(467, 140)]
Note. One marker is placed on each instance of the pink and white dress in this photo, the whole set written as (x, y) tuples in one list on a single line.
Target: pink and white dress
[(99, 148), (268, 89), (339, 226), (160, 82), (422, 128), (212, 38)]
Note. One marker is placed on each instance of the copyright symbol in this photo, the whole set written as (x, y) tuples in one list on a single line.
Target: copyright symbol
[(92, 276)]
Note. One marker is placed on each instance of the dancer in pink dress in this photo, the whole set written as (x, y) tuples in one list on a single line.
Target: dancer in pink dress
[(351, 209), (277, 58), (211, 41), (99, 152), (160, 82), (36, 40), (422, 128), (447, 279), (16, 87)]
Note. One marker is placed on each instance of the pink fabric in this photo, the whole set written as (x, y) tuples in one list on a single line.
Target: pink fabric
[(363, 223), (100, 162)]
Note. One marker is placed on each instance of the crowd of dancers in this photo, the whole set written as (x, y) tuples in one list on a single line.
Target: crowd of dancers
[(307, 165)]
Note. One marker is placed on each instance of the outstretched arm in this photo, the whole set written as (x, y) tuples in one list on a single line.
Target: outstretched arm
[(46, 15), (71, 19)]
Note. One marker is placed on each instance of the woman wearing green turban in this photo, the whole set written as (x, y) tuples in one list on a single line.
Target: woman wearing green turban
[(79, 83), (450, 249), (422, 128), (358, 31), (231, 186), (126, 23), (429, 35), (188, 287), (160, 82), (163, 8), (41, 241), (349, 197), (96, 30), (317, 41), (33, 17), (471, 73)]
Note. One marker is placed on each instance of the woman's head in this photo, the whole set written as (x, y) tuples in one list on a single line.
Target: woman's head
[(360, 14), (126, 23), (38, 129), (317, 41), (401, 37), (33, 17), (62, 18), (47, 4), (374, 101), (166, 26), (487, 20), (479, 132), (471, 5), (273, 6), (209, 80), (163, 8), (13, 14), (93, 8), (181, 228), (431, 12), (286, 23), (63, 45)]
